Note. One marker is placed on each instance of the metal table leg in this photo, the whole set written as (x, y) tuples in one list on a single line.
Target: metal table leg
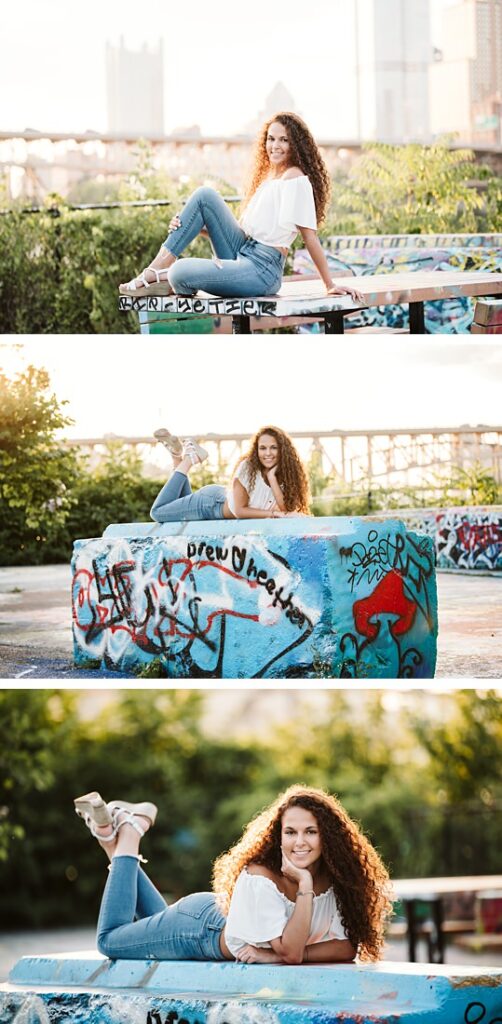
[(417, 318), (241, 325), (333, 323), (411, 934)]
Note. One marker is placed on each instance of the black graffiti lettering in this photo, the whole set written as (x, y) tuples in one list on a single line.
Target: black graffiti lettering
[(474, 1013), (214, 305), (199, 306), (123, 302), (252, 571), (232, 306), (278, 600), (184, 306), (248, 307), (270, 586), (154, 303), (153, 1017), (262, 577), (268, 307), (239, 556), (191, 549), (210, 553), (221, 554), (171, 1016)]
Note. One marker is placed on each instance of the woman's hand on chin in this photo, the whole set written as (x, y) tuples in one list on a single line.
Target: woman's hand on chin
[(339, 289), (256, 955), (296, 874)]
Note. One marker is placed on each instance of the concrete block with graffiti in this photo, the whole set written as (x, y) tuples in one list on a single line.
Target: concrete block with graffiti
[(284, 598), (387, 254), (86, 989), (465, 539)]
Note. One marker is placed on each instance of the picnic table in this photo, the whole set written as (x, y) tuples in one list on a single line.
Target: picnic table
[(412, 891), (305, 299)]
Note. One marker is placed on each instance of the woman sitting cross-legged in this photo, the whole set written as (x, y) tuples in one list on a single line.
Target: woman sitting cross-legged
[(302, 885)]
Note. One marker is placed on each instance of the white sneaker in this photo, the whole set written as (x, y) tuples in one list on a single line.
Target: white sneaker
[(171, 442), (194, 451)]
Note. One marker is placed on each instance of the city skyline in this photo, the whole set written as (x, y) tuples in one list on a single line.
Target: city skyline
[(220, 52)]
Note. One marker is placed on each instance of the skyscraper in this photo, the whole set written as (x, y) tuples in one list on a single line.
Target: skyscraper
[(135, 88), (393, 52), (466, 82)]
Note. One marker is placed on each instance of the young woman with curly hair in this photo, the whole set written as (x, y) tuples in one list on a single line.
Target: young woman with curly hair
[(288, 192), (303, 885), (269, 482)]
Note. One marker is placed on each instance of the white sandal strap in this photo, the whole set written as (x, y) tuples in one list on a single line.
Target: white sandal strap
[(91, 825), (128, 819)]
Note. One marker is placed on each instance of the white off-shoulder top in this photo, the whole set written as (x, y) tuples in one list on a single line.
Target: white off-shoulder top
[(259, 912), (261, 496), (278, 208)]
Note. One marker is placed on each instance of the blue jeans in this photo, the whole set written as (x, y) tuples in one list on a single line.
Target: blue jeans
[(176, 502), (135, 922), (242, 267)]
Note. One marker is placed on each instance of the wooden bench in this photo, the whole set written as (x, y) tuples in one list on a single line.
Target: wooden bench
[(305, 299), (487, 317)]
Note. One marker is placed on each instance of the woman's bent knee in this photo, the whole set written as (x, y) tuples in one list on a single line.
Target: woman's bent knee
[(106, 946)]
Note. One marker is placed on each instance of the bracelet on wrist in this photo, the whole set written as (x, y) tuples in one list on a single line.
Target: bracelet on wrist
[(305, 892)]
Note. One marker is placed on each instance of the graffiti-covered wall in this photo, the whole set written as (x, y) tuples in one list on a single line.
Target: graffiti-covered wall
[(87, 990), (381, 254), (464, 538), (334, 597)]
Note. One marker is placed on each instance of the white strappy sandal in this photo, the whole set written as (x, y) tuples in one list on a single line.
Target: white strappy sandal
[(92, 808), (121, 813), (157, 287)]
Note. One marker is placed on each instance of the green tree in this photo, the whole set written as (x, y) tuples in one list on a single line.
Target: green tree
[(29, 722), (412, 190), (37, 471)]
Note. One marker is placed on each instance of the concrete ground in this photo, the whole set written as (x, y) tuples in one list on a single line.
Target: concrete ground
[(14, 945), (36, 640)]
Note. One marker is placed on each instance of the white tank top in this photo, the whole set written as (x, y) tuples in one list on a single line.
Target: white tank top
[(278, 208), (259, 911)]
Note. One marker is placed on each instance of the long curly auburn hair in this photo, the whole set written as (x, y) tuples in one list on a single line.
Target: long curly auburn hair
[(291, 475), (359, 879), (304, 153)]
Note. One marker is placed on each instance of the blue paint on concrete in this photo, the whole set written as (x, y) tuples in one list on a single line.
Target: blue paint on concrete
[(87, 988), (291, 598)]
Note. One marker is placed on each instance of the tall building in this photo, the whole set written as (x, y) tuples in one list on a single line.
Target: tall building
[(393, 53), (466, 80), (135, 90)]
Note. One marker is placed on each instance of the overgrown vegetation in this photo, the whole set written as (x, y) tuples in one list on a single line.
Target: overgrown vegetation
[(59, 269), (425, 786)]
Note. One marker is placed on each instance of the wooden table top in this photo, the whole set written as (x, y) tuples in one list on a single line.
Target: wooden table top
[(414, 888), (307, 297)]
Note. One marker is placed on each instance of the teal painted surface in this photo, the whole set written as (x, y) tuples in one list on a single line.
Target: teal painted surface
[(91, 990), (300, 597)]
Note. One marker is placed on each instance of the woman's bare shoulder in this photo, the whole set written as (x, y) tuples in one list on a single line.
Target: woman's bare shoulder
[(292, 172), (260, 869)]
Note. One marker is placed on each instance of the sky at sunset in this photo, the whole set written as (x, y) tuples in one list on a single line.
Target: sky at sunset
[(131, 385)]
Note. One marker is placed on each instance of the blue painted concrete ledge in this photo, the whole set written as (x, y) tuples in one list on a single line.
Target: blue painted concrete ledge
[(269, 598), (88, 989)]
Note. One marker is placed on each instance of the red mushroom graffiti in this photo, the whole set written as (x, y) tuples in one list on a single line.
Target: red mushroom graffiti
[(389, 599)]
